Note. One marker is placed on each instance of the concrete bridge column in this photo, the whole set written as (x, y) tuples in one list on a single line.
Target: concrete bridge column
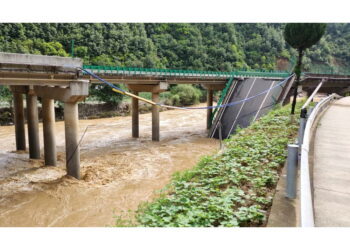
[(135, 116), (210, 93), (155, 89), (50, 154), (19, 121), (70, 96), (309, 92), (155, 117), (71, 124), (209, 103), (33, 126)]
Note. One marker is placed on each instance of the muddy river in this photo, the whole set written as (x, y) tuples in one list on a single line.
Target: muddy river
[(118, 172)]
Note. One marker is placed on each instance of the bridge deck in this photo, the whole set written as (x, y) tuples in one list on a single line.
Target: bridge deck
[(331, 168)]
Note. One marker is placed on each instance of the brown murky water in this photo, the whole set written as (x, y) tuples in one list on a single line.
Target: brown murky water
[(118, 172)]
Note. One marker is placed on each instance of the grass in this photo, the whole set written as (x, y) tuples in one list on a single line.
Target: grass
[(232, 188)]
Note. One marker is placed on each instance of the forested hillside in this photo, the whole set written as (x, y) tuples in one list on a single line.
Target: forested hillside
[(179, 46)]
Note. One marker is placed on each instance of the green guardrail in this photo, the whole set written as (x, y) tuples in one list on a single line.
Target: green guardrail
[(174, 72), (222, 97)]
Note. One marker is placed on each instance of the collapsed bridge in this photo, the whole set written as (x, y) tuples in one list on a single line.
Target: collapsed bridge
[(67, 80)]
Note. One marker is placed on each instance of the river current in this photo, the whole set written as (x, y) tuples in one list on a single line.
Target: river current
[(118, 172)]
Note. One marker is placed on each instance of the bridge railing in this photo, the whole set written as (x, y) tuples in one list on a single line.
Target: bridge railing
[(306, 195), (182, 73)]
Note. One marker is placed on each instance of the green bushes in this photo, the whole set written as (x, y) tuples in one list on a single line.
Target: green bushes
[(5, 94), (104, 93), (232, 188), (182, 95), (6, 116)]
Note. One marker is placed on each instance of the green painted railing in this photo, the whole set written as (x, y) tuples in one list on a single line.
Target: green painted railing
[(188, 73), (219, 74), (222, 96)]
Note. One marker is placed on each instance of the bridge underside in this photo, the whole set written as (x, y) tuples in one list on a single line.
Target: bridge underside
[(333, 84)]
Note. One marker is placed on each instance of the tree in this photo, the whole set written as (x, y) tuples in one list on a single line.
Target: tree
[(302, 36)]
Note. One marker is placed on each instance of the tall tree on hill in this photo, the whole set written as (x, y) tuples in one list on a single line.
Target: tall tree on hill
[(302, 36)]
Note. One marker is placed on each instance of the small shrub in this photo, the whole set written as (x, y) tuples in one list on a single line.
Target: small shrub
[(175, 100), (183, 95), (104, 93), (5, 94), (6, 116)]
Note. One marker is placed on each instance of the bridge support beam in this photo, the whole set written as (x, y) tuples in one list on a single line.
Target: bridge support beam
[(71, 124), (33, 126), (155, 117), (50, 154), (19, 121), (209, 103), (135, 116)]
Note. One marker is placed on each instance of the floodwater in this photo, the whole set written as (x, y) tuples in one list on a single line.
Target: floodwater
[(118, 172)]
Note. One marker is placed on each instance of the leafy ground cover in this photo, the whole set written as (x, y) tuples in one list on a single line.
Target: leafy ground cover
[(235, 187)]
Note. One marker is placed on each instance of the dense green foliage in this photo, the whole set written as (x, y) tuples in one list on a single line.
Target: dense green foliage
[(179, 46), (104, 93), (302, 36), (232, 188), (182, 95), (5, 94)]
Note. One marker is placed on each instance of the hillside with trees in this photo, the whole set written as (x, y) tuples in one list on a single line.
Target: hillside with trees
[(197, 46)]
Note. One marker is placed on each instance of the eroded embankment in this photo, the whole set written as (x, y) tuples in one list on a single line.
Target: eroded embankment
[(118, 172)]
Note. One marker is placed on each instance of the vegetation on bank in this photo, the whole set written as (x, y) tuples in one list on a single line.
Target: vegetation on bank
[(232, 188)]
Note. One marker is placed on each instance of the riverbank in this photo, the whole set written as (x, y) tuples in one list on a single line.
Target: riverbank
[(232, 188)]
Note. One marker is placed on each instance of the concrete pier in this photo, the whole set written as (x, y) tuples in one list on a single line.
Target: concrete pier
[(155, 89), (19, 121), (209, 103), (71, 124), (33, 126), (210, 94), (48, 110), (155, 117), (135, 116), (50, 78)]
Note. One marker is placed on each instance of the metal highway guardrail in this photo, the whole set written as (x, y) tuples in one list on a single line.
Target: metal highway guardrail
[(306, 200)]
